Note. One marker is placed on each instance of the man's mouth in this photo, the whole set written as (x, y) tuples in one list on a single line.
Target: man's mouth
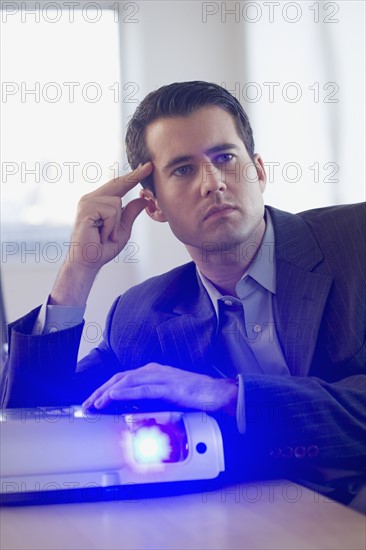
[(218, 210)]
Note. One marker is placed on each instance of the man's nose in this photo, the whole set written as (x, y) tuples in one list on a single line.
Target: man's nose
[(213, 179)]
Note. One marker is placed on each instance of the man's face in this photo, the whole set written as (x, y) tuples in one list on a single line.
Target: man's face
[(206, 186)]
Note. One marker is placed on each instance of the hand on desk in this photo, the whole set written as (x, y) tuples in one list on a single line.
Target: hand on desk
[(161, 382)]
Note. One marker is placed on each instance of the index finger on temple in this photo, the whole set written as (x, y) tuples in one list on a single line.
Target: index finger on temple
[(119, 186)]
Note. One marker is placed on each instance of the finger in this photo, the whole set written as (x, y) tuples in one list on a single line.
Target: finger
[(99, 213), (109, 219), (120, 186), (102, 401), (130, 393), (128, 217), (149, 382), (154, 373), (101, 397), (130, 388), (147, 391), (110, 226), (101, 390), (98, 402)]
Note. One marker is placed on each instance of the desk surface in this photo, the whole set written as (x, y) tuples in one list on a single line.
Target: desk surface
[(263, 515)]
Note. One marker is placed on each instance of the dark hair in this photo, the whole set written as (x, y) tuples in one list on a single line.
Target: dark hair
[(181, 99)]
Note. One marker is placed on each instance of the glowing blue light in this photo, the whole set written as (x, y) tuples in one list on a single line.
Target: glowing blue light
[(151, 446)]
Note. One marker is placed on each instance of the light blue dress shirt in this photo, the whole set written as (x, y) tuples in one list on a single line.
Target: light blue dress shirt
[(260, 351), (255, 291)]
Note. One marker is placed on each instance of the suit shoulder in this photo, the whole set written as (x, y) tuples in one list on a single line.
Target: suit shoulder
[(343, 215), (336, 233), (330, 222), (344, 224)]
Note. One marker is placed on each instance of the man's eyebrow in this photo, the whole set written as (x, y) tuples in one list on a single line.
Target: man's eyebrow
[(210, 151)]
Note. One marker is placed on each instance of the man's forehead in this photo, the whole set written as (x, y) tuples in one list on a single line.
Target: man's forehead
[(204, 129)]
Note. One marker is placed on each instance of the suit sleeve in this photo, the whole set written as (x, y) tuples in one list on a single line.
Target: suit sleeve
[(296, 420), (41, 370), (315, 419)]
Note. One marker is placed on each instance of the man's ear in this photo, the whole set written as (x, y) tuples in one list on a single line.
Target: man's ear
[(261, 171), (152, 208)]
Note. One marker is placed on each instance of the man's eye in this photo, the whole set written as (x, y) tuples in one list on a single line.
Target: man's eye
[(182, 171), (223, 158)]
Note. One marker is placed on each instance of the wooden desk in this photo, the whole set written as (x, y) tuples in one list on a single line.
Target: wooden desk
[(265, 515)]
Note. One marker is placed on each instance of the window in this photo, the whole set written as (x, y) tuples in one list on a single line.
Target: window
[(60, 112)]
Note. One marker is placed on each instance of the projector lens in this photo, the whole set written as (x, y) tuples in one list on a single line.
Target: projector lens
[(157, 441), (151, 445)]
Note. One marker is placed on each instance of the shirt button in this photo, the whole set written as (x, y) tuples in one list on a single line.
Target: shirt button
[(257, 328), (228, 302)]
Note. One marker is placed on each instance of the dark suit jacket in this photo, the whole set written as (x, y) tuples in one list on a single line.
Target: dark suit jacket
[(309, 421)]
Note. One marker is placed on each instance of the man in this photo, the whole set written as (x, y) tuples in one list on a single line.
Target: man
[(267, 324)]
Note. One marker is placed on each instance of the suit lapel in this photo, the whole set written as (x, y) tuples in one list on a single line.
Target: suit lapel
[(298, 309), (186, 338), (301, 293)]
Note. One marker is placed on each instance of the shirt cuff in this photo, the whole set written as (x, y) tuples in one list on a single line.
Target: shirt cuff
[(240, 405), (53, 318)]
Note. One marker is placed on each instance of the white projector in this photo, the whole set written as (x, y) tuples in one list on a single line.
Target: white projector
[(46, 449)]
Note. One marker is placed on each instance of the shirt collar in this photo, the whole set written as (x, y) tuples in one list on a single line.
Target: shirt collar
[(262, 269)]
